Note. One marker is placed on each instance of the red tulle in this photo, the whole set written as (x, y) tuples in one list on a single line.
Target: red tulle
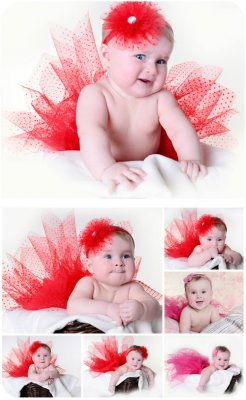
[(181, 237), (53, 93), (207, 222), (97, 233), (18, 362), (47, 269), (174, 305), (105, 356), (133, 22), (185, 362)]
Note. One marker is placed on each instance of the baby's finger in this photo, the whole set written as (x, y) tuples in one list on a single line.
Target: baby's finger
[(133, 177), (138, 171), (126, 182), (184, 166), (194, 172), (203, 170), (111, 186)]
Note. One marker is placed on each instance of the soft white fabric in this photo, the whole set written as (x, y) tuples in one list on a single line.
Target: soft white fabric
[(217, 384), (97, 385), (63, 174), (181, 263), (64, 386), (49, 319)]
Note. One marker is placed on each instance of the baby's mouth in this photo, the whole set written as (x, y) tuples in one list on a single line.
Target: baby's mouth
[(146, 81), (199, 302)]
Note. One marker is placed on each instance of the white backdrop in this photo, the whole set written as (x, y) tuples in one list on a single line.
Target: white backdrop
[(146, 223)]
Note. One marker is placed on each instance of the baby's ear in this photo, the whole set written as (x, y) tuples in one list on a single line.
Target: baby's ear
[(104, 55), (89, 266)]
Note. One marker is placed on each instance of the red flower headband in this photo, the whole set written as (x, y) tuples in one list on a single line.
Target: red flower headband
[(97, 233), (207, 222), (141, 349), (35, 346), (133, 22)]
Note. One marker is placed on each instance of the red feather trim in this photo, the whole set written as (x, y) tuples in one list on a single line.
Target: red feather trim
[(141, 349), (133, 22), (207, 222), (97, 233)]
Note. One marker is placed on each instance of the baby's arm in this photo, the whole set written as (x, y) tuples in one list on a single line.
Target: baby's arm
[(205, 375), (115, 377), (92, 120), (150, 375), (81, 302), (140, 306), (232, 257), (32, 374), (182, 135), (215, 316), (199, 257), (185, 321)]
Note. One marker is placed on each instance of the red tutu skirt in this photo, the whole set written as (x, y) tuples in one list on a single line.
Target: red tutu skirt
[(105, 356), (54, 89)]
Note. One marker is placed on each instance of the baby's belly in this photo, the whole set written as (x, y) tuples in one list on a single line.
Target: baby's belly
[(137, 150)]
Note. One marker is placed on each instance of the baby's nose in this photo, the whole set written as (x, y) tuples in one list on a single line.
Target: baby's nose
[(119, 262), (151, 68)]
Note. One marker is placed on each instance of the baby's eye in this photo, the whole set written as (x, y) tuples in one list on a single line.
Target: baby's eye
[(209, 239), (161, 61), (140, 56), (204, 291), (126, 256), (193, 292), (108, 256)]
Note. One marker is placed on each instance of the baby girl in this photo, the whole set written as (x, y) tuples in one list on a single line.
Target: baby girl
[(122, 116), (111, 290), (134, 361), (199, 311), (42, 370), (212, 236), (221, 359)]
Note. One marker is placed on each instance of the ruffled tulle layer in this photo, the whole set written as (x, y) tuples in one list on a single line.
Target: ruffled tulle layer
[(47, 268), (53, 92), (185, 362), (105, 356)]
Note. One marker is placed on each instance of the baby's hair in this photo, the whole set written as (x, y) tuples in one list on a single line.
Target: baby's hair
[(196, 277), (223, 349), (36, 345), (140, 349)]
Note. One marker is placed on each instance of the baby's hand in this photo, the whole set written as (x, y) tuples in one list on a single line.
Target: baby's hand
[(120, 173), (111, 388), (228, 258), (131, 310), (193, 169), (200, 388), (113, 311), (50, 381), (213, 252)]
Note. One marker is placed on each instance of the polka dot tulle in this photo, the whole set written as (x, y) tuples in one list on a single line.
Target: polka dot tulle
[(53, 92)]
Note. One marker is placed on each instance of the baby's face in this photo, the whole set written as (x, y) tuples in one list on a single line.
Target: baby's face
[(41, 358), (221, 360), (114, 264), (214, 238), (199, 294), (139, 71), (134, 360)]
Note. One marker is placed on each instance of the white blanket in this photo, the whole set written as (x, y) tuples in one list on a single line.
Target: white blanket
[(63, 174), (64, 386), (49, 319), (181, 263), (97, 385), (217, 384)]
